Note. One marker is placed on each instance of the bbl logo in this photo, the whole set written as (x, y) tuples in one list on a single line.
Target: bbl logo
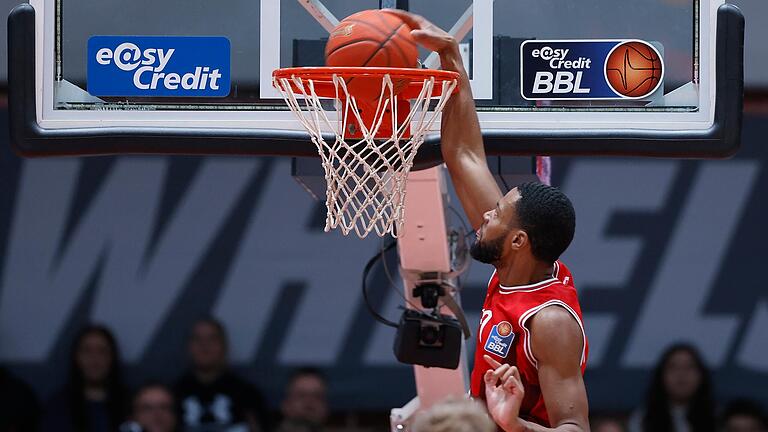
[(158, 66), (500, 339), (590, 69)]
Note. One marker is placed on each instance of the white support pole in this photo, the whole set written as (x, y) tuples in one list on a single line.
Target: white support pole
[(459, 31), (424, 247), (320, 13), (482, 49), (269, 48)]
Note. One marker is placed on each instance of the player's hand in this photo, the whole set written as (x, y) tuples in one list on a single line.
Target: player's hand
[(504, 394), (427, 34)]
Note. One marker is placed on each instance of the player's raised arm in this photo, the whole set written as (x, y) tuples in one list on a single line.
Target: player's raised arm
[(462, 142)]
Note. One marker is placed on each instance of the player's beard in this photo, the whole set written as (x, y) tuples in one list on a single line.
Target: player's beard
[(487, 251)]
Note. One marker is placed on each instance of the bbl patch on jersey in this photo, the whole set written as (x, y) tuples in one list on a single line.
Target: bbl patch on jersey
[(500, 339)]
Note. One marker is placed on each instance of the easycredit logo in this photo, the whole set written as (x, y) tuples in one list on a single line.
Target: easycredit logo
[(590, 69), (158, 66)]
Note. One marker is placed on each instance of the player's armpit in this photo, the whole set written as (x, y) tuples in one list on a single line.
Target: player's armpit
[(557, 343)]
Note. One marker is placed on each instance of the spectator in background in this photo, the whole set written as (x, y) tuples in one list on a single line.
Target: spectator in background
[(454, 415), (680, 397), (305, 406), (93, 400), (743, 415), (152, 410), (19, 410), (606, 424), (211, 398)]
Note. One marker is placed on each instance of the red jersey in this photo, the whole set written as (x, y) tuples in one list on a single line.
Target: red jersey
[(504, 333)]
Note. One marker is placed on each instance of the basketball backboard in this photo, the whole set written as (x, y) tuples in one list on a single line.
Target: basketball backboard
[(549, 77)]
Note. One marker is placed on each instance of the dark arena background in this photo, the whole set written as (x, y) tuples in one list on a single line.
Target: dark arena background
[(666, 251)]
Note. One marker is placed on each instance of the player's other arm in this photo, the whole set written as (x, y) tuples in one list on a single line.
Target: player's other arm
[(461, 140), (557, 343)]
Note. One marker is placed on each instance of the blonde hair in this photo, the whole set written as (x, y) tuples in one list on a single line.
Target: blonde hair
[(454, 415)]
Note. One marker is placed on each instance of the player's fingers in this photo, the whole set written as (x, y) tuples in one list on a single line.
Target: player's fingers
[(492, 376), (490, 380), (516, 373), (491, 361), (509, 385), (421, 36), (500, 371), (432, 40), (517, 385), (511, 372), (490, 388)]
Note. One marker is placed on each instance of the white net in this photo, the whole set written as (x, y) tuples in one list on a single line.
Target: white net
[(366, 177)]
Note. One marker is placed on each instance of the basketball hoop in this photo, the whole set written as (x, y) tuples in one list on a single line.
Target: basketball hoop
[(377, 135)]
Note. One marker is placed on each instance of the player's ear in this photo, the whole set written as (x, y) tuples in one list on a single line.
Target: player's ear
[(518, 239)]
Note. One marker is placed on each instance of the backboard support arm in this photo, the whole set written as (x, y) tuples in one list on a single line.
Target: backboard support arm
[(424, 248)]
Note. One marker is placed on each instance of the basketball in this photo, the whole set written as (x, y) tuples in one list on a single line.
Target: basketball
[(371, 38), (634, 69)]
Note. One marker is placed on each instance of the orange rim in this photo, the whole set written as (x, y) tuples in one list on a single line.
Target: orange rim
[(322, 78)]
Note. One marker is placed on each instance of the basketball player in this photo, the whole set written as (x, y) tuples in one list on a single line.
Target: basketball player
[(531, 349)]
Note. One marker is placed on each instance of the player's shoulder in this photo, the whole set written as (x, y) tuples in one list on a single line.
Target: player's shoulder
[(555, 329), (552, 317)]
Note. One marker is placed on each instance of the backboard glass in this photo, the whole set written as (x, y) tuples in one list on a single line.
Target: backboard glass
[(507, 47)]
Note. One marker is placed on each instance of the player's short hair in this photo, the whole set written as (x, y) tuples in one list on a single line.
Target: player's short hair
[(454, 415), (548, 217)]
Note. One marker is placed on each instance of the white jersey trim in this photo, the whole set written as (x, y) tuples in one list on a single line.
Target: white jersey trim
[(548, 283), (537, 285), (491, 278), (527, 336), (530, 287)]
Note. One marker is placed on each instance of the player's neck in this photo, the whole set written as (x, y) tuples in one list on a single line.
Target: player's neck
[(524, 272)]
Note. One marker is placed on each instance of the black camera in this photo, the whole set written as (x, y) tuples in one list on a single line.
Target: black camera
[(428, 340)]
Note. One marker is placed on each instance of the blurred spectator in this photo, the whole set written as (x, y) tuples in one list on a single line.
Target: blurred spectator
[(680, 397), (152, 410), (606, 424), (454, 415), (19, 409), (744, 416), (93, 400), (305, 406), (212, 398)]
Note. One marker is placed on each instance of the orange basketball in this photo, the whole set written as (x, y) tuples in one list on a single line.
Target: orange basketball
[(371, 38), (634, 69)]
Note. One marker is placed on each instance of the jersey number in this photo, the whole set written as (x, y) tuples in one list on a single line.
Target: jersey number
[(483, 321)]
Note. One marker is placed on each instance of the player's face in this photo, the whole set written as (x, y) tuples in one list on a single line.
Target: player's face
[(498, 224)]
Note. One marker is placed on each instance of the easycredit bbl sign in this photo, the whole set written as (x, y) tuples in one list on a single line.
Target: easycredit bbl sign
[(590, 69), (158, 66)]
